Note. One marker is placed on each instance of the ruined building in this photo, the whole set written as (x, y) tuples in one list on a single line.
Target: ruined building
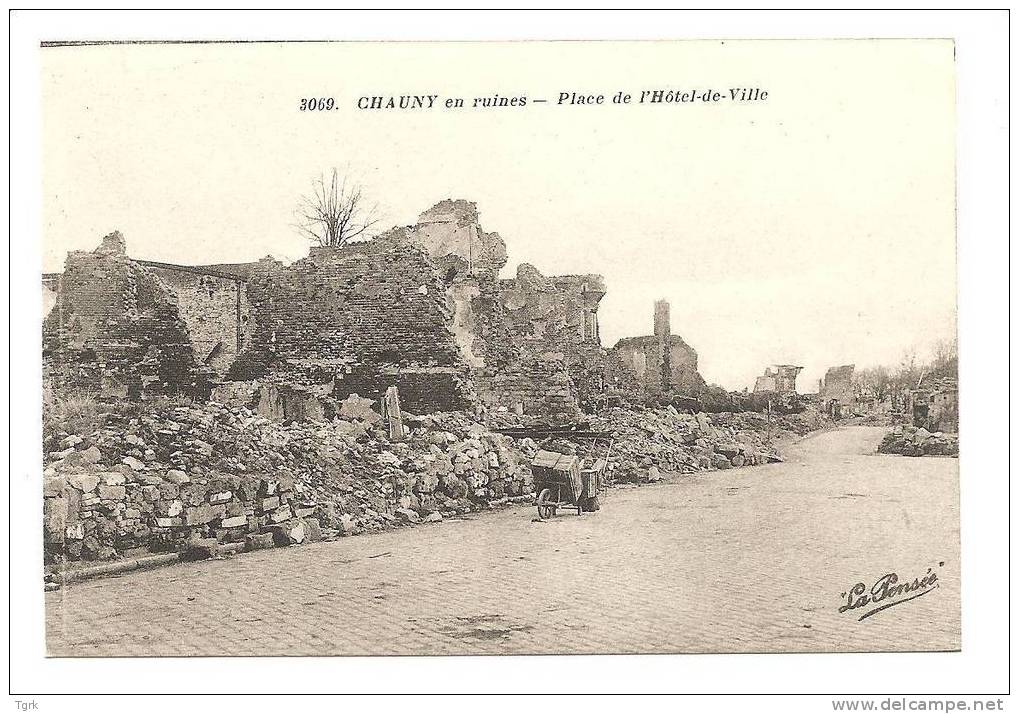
[(532, 341), (658, 364), (419, 307), (355, 319), (837, 391), (778, 378), (115, 327)]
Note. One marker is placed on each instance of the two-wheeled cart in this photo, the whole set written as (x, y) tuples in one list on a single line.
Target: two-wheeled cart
[(560, 482)]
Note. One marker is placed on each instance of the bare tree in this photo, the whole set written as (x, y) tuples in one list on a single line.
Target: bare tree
[(876, 379), (335, 212), (945, 358)]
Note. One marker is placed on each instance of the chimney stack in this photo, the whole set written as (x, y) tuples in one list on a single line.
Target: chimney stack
[(662, 328)]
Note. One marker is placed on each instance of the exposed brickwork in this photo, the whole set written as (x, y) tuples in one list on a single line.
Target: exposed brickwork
[(532, 341), (361, 317), (116, 328), (532, 386), (214, 306)]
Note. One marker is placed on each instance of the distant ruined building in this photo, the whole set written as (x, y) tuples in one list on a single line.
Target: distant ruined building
[(837, 390), (658, 364), (779, 378)]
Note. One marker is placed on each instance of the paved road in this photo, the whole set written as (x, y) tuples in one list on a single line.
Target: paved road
[(747, 560)]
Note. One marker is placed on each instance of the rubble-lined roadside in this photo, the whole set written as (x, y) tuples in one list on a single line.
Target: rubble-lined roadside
[(183, 477), (917, 441), (650, 442)]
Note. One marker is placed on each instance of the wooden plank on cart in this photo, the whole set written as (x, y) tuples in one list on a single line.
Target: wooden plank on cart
[(546, 459)]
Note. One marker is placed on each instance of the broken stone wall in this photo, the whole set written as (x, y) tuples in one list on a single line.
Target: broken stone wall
[(357, 319), (214, 306), (838, 385), (451, 228), (532, 341), (553, 324), (778, 378), (655, 365), (115, 328), (640, 365), (534, 387)]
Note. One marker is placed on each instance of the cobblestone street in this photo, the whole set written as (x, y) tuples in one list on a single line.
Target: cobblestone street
[(744, 560)]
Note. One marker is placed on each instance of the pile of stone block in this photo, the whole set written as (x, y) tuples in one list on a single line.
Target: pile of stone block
[(917, 441), (664, 440), (164, 479), (648, 443)]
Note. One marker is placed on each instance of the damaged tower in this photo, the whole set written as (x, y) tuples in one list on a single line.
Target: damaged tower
[(655, 365), (663, 332)]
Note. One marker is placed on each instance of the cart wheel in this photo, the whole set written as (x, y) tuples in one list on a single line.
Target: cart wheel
[(545, 509)]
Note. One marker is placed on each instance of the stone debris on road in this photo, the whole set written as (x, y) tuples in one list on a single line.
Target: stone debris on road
[(917, 441)]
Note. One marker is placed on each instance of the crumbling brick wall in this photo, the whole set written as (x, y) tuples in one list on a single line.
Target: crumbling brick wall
[(360, 318), (214, 306), (552, 322), (115, 328), (530, 386)]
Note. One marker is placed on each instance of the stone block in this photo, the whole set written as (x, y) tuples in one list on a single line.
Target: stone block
[(407, 515), (220, 497), (86, 483), (111, 493), (112, 478), (133, 463), (199, 515), (201, 549), (281, 514), (258, 541), (177, 477), (270, 504)]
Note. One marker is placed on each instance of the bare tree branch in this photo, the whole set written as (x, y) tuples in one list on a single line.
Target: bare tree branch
[(334, 213)]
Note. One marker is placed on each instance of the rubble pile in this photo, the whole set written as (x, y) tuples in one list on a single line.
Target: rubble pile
[(880, 419), (162, 479), (655, 440), (650, 442), (778, 426), (183, 477), (917, 441)]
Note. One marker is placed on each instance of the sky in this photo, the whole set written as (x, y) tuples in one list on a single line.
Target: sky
[(816, 227)]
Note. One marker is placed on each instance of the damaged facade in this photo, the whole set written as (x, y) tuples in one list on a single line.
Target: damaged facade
[(530, 341), (116, 328), (355, 319), (935, 405)]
